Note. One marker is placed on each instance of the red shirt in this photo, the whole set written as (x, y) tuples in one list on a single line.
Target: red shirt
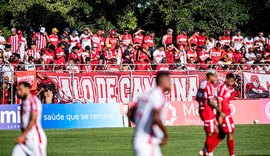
[(203, 55), (215, 55), (224, 95), (229, 53), (14, 42), (205, 93), (170, 55), (225, 40), (142, 66), (40, 40), (73, 56), (49, 56), (193, 54), (168, 39), (138, 39), (201, 40), (237, 57), (60, 51), (94, 57), (144, 56), (113, 41), (194, 39), (96, 41), (181, 39), (149, 41), (86, 68), (102, 42), (109, 54), (126, 39), (54, 39)]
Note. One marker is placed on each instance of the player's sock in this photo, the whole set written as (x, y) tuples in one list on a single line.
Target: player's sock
[(211, 154), (230, 144), (209, 143), (216, 140)]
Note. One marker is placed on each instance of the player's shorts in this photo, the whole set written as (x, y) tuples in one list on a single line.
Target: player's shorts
[(142, 147), (32, 146), (210, 125), (228, 124)]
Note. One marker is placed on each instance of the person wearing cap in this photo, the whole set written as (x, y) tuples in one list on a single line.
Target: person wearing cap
[(22, 45), (126, 38), (53, 38), (201, 38), (138, 36), (85, 38), (41, 38), (64, 37), (193, 39), (96, 39), (226, 38), (2, 40), (182, 39), (112, 41), (149, 41), (13, 41), (237, 40), (168, 38), (74, 39)]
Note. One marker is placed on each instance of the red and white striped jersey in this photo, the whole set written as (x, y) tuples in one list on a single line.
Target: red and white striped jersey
[(237, 42), (73, 41), (14, 42), (40, 39), (248, 43), (23, 43), (34, 53), (85, 40)]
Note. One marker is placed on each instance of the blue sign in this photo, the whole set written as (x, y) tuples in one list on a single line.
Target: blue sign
[(67, 116)]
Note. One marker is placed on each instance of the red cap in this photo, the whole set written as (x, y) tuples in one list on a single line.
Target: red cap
[(144, 46), (19, 32), (112, 32)]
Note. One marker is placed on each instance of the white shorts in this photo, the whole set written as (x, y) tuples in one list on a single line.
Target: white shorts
[(142, 147), (32, 147)]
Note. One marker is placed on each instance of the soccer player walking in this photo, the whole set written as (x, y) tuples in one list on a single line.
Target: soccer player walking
[(33, 140), (205, 98), (226, 123), (148, 115)]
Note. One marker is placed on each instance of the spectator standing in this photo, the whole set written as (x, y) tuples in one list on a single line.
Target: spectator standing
[(201, 39), (2, 41), (170, 52), (210, 43), (237, 40), (149, 41), (126, 38), (86, 54), (53, 38), (249, 42), (127, 57), (22, 45), (193, 39), (95, 39), (74, 55), (109, 55), (192, 53), (182, 39), (85, 38), (13, 40), (72, 67), (158, 55), (259, 40), (138, 36), (228, 50), (30, 64), (112, 40), (41, 38), (95, 56), (226, 38), (102, 39), (238, 54), (203, 54), (168, 38), (65, 36), (87, 67), (32, 52), (74, 39), (60, 54)]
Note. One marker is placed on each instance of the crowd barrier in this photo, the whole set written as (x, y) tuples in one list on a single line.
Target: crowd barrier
[(114, 114)]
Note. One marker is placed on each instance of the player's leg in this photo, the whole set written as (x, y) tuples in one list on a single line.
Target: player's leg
[(141, 148), (212, 131), (157, 151), (18, 150), (230, 143)]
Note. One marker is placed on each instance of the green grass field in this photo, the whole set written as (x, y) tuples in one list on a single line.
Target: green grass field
[(251, 140)]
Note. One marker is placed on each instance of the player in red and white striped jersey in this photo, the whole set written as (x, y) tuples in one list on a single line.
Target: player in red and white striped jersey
[(33, 140), (13, 40), (148, 114), (41, 38)]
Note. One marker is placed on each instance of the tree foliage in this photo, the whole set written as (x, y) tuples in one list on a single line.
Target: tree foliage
[(212, 16)]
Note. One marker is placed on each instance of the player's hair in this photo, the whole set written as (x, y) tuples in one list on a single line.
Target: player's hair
[(25, 84), (161, 74), (230, 75)]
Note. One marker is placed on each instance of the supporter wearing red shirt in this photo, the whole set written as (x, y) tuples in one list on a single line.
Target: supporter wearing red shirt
[(142, 65), (226, 38), (113, 66), (109, 55), (138, 36), (112, 41), (87, 67), (203, 54), (96, 40), (170, 53), (182, 39), (216, 53), (49, 53), (228, 50), (238, 55), (149, 41), (102, 39), (60, 54), (266, 53), (192, 53), (94, 56), (144, 53), (193, 39), (85, 54), (167, 39), (100, 65), (202, 39), (53, 38), (126, 38), (74, 54)]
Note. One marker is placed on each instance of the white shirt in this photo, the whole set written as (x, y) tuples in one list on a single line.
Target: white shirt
[(73, 42), (248, 43), (159, 55), (238, 42), (73, 68), (8, 71), (85, 40), (247, 55), (30, 66), (211, 44), (146, 105), (258, 41), (2, 39), (22, 42)]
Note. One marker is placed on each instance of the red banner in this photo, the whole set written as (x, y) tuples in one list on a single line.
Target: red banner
[(28, 76), (243, 112)]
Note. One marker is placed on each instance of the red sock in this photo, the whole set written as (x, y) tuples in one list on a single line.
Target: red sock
[(216, 141), (209, 142), (230, 144)]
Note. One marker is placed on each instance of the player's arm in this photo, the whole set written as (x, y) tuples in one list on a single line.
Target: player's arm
[(131, 113), (159, 123), (32, 122), (216, 107)]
